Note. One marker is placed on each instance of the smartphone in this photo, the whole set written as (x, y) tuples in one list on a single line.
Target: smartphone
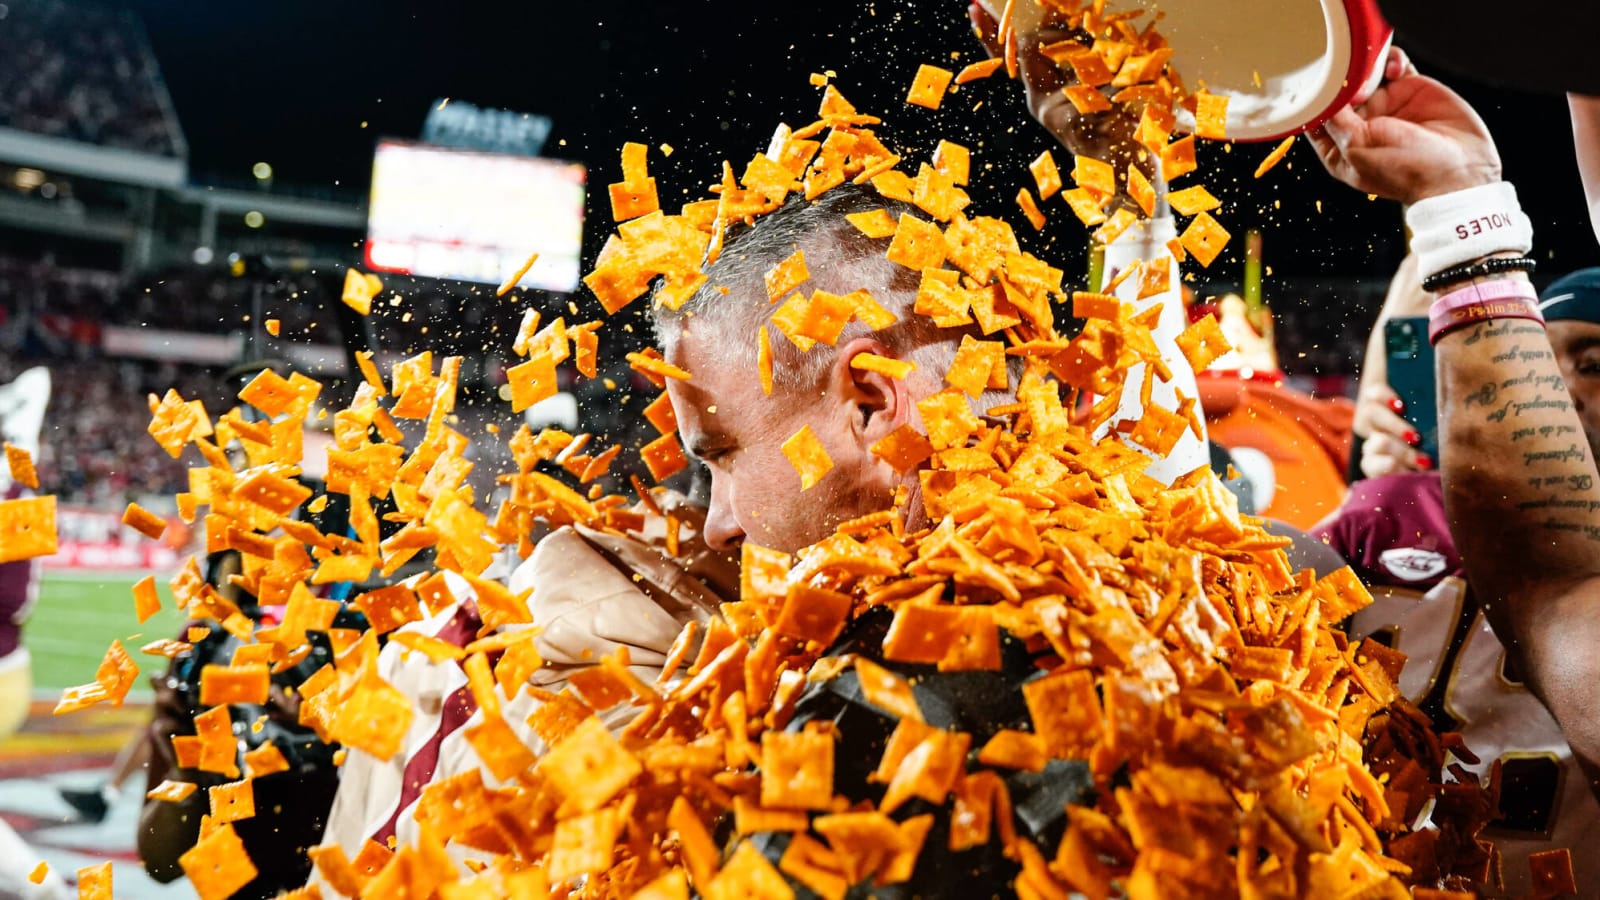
[(1410, 359)]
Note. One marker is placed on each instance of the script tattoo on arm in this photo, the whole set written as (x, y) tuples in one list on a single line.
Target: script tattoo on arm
[(1511, 433), (1523, 496)]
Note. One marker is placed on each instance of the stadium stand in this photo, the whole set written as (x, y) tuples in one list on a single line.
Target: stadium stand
[(83, 73)]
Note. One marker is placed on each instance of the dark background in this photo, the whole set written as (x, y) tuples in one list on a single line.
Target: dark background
[(291, 82)]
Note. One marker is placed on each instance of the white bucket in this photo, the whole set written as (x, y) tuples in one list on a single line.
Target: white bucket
[(1285, 65)]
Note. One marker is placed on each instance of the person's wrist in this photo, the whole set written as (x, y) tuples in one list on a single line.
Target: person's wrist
[(1452, 230), (1450, 180)]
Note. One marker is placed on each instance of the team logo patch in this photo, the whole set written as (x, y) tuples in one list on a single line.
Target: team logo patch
[(1413, 563)]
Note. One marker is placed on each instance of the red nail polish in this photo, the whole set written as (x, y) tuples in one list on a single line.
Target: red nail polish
[(1424, 462), (1412, 437), (1396, 405)]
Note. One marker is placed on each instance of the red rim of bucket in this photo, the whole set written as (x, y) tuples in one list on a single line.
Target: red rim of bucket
[(1369, 43)]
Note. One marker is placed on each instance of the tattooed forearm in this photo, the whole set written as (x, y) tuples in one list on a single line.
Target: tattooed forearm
[(1516, 460)]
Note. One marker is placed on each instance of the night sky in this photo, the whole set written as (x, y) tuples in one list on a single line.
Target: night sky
[(291, 82)]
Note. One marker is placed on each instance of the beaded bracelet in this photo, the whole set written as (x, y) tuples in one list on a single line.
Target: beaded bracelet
[(1491, 266)]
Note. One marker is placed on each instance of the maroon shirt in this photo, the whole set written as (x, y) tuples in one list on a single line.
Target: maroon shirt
[(16, 591), (1393, 531)]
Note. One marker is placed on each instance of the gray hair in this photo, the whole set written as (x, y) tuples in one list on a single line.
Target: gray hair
[(840, 258)]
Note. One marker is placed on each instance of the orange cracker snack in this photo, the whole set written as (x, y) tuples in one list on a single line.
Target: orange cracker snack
[(222, 685), (917, 244), (146, 602), (589, 767), (887, 691), (359, 290), (27, 528), (264, 760), (871, 362), (1045, 175), (660, 414), (786, 276), (1211, 116), (144, 521), (1202, 342), (928, 88), (664, 457), (94, 882), (954, 161), (532, 382), (764, 360), (172, 791), (1177, 158), (1141, 191), (796, 770), (874, 224), (1192, 200), (516, 277), (983, 68), (1094, 176), (1086, 98), (1204, 238), (903, 449), (808, 456), (232, 801), (21, 466), (1275, 157), (1029, 208), (218, 865)]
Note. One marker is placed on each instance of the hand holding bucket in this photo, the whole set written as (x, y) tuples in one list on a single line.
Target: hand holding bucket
[(1285, 65)]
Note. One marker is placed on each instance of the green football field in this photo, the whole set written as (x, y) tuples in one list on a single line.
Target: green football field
[(77, 617)]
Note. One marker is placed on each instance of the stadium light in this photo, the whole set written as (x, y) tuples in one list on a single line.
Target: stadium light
[(262, 171), (254, 219)]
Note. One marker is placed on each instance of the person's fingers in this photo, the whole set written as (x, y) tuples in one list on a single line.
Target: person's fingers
[(1346, 128), (1326, 149), (1384, 455), (1398, 65), (1331, 156), (1373, 397), (1383, 421)]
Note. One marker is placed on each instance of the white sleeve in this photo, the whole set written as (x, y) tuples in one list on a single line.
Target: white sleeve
[(1146, 241)]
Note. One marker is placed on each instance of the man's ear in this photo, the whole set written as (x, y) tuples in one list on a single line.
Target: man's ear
[(881, 402)]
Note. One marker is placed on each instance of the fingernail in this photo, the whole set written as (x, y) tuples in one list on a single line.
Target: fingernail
[(1396, 405), (1412, 437), (1424, 461)]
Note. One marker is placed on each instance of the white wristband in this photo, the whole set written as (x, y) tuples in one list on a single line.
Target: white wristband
[(1467, 225)]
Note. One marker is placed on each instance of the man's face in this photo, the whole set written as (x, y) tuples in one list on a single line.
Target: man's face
[(726, 421), (1577, 346)]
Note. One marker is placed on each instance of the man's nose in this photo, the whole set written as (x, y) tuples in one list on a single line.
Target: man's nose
[(722, 529)]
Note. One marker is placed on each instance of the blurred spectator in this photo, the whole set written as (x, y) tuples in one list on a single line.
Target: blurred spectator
[(94, 449), (83, 73)]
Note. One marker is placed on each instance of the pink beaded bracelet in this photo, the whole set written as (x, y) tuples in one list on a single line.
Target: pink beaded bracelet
[(1505, 299)]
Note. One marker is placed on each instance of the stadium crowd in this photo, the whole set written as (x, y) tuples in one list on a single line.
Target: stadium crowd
[(84, 73)]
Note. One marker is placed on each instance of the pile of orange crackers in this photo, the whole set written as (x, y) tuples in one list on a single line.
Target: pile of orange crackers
[(1239, 743)]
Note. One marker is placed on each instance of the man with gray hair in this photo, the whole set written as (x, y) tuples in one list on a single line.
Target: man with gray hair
[(727, 422)]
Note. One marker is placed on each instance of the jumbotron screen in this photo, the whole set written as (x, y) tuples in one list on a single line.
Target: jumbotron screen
[(441, 212)]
